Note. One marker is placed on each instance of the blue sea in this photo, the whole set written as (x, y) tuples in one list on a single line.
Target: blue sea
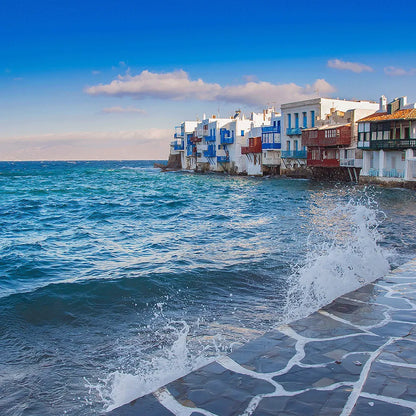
[(116, 278)]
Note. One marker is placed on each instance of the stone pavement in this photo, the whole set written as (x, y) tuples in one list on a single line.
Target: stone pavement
[(356, 356)]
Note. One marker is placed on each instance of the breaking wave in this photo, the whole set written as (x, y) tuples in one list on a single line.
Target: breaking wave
[(344, 253)]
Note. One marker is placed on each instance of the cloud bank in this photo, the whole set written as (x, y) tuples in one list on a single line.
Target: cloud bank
[(119, 145), (349, 66), (393, 71), (177, 85)]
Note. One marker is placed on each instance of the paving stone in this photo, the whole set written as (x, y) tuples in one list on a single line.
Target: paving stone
[(299, 378), (364, 314), (322, 403), (268, 353), (400, 351), (370, 407), (397, 382), (144, 406), (325, 351), (319, 326), (227, 393), (394, 329)]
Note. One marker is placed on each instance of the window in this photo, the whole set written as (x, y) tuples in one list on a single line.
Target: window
[(242, 132), (296, 145), (305, 120), (407, 133), (288, 145), (312, 118), (289, 121), (297, 120)]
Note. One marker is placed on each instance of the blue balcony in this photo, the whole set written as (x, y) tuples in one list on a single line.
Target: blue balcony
[(294, 131), (294, 154), (210, 152), (210, 138), (178, 146), (177, 136), (266, 146), (270, 129), (226, 137), (223, 159)]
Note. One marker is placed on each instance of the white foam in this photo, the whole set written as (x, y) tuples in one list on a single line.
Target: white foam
[(344, 254)]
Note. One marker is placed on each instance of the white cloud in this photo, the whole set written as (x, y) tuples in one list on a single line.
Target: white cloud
[(90, 145), (177, 85), (349, 66), (121, 110), (95, 72), (393, 71)]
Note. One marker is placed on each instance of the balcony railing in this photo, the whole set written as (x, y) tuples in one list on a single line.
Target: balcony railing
[(226, 136), (388, 144), (223, 159), (373, 172), (270, 129), (393, 173), (210, 138), (210, 152), (266, 146), (178, 146), (351, 163), (294, 131), (294, 154), (251, 149)]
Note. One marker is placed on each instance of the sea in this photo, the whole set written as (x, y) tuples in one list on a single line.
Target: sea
[(116, 278)]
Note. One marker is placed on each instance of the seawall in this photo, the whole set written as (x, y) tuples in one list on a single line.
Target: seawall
[(356, 356)]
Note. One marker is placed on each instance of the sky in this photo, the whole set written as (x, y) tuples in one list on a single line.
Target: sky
[(111, 79)]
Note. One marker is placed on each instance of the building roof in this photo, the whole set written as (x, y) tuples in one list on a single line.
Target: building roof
[(328, 127), (406, 114)]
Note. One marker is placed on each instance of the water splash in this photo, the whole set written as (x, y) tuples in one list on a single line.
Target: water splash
[(343, 254)]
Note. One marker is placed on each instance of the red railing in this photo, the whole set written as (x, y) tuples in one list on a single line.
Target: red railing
[(254, 146), (338, 136)]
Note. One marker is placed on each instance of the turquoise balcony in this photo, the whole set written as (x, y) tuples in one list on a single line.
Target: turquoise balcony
[(294, 131), (294, 154), (271, 129)]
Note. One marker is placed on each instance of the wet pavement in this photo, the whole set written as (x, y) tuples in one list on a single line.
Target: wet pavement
[(356, 356)]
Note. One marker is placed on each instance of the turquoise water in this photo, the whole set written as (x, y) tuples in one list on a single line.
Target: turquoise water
[(115, 276)]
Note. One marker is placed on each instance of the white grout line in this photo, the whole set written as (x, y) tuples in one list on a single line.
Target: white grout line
[(358, 385), (168, 401), (397, 364), (392, 400)]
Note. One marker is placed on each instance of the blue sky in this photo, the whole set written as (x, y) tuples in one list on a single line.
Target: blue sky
[(72, 75)]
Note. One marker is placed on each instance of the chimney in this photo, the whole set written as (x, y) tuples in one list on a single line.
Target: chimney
[(403, 102), (383, 104)]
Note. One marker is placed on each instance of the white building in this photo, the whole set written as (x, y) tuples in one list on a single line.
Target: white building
[(388, 141), (304, 114)]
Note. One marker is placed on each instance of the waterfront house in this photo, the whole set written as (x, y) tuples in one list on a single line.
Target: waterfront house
[(332, 145), (388, 141), (300, 115)]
